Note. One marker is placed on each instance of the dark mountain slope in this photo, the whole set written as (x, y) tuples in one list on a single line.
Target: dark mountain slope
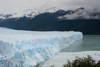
[(50, 22)]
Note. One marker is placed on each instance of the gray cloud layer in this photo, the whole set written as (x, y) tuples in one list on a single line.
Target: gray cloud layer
[(12, 6), (82, 14)]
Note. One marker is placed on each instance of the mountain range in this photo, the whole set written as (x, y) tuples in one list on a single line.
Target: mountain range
[(54, 19)]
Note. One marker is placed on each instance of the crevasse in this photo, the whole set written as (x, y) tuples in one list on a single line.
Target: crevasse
[(27, 48)]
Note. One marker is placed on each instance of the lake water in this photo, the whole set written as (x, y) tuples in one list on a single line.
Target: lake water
[(89, 43)]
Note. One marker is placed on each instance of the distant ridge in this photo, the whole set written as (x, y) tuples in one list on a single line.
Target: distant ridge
[(54, 19)]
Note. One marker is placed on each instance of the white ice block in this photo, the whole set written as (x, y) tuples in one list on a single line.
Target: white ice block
[(27, 48)]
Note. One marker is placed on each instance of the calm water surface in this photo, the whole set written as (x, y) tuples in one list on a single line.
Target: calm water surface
[(89, 43)]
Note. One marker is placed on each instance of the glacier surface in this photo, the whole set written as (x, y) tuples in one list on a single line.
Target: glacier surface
[(27, 48)]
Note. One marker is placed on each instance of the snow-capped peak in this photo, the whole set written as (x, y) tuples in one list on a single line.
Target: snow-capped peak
[(27, 13), (52, 10)]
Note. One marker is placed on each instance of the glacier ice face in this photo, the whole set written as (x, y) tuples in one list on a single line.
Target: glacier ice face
[(27, 48)]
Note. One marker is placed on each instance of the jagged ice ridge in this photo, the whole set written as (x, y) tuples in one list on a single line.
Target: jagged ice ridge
[(27, 48)]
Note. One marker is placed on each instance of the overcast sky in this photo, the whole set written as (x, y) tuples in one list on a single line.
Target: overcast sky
[(13, 6)]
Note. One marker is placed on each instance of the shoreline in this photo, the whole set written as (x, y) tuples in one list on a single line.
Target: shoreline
[(60, 59)]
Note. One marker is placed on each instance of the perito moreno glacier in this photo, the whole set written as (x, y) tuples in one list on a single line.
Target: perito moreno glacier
[(27, 48)]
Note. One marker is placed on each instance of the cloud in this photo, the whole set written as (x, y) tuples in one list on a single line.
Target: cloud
[(82, 14), (12, 6)]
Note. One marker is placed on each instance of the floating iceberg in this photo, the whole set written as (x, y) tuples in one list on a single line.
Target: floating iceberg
[(27, 48)]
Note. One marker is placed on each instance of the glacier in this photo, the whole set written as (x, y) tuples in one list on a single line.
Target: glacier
[(27, 48)]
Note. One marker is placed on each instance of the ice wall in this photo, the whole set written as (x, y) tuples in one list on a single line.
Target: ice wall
[(26, 48)]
